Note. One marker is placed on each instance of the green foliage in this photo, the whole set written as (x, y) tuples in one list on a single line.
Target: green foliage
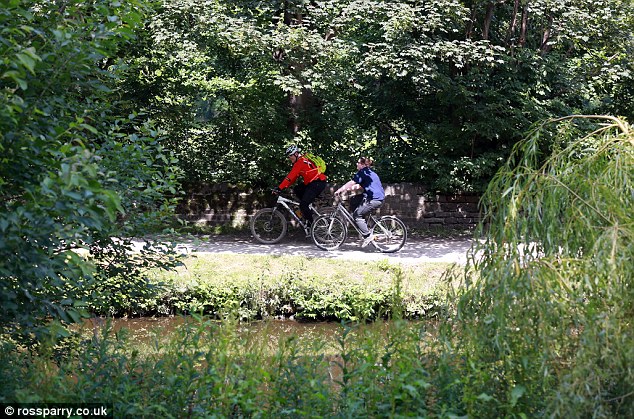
[(203, 75), (543, 324), (254, 287), (436, 92), (64, 191), (208, 369), (543, 320)]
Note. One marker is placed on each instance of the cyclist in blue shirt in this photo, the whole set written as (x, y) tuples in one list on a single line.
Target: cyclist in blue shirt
[(371, 199)]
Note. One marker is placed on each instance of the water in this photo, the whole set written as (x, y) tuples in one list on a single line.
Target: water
[(322, 339), (147, 328), (272, 332)]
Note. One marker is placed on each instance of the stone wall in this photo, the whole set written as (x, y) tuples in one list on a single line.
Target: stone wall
[(226, 204)]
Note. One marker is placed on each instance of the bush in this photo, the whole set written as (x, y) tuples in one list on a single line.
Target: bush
[(543, 321), (207, 369), (255, 287), (75, 174)]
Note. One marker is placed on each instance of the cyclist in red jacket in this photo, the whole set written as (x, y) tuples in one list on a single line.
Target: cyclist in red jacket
[(314, 181)]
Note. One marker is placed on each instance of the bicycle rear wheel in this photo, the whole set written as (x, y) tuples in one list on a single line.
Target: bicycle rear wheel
[(390, 234), (268, 226), (329, 232)]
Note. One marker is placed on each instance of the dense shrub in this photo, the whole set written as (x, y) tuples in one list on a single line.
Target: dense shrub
[(256, 287), (543, 322), (79, 171), (209, 370)]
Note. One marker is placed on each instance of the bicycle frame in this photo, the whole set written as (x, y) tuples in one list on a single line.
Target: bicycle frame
[(269, 225), (341, 209), (330, 231), (287, 203)]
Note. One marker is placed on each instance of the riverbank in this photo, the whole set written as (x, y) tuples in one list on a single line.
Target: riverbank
[(256, 286)]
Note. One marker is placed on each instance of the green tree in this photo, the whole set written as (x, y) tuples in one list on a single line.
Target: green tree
[(544, 308), (208, 75), (438, 92), (64, 184)]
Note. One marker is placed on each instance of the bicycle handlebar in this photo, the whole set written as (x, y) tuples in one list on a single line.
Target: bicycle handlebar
[(339, 198)]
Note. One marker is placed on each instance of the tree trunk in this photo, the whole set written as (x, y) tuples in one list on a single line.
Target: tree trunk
[(297, 103), (487, 20), (524, 28), (469, 30), (513, 26), (545, 47)]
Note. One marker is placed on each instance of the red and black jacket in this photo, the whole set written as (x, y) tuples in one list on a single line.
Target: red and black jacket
[(306, 169)]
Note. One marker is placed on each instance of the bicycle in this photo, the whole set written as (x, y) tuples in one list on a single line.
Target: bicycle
[(269, 225), (329, 231)]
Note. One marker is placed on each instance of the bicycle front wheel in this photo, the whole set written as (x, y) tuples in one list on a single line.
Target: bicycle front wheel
[(317, 212), (390, 234), (268, 226), (329, 232)]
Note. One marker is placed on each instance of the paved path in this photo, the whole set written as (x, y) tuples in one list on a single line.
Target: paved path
[(415, 250)]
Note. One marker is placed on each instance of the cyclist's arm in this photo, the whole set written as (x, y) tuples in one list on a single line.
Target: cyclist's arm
[(350, 186), (291, 177)]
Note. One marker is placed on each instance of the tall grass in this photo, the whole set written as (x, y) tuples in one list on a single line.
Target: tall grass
[(540, 324), (543, 321), (206, 369)]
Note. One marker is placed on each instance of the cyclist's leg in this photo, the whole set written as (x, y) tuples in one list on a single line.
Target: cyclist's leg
[(311, 192), (361, 212), (299, 190)]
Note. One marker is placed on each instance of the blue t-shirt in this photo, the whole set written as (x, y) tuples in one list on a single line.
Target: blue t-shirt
[(371, 184)]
